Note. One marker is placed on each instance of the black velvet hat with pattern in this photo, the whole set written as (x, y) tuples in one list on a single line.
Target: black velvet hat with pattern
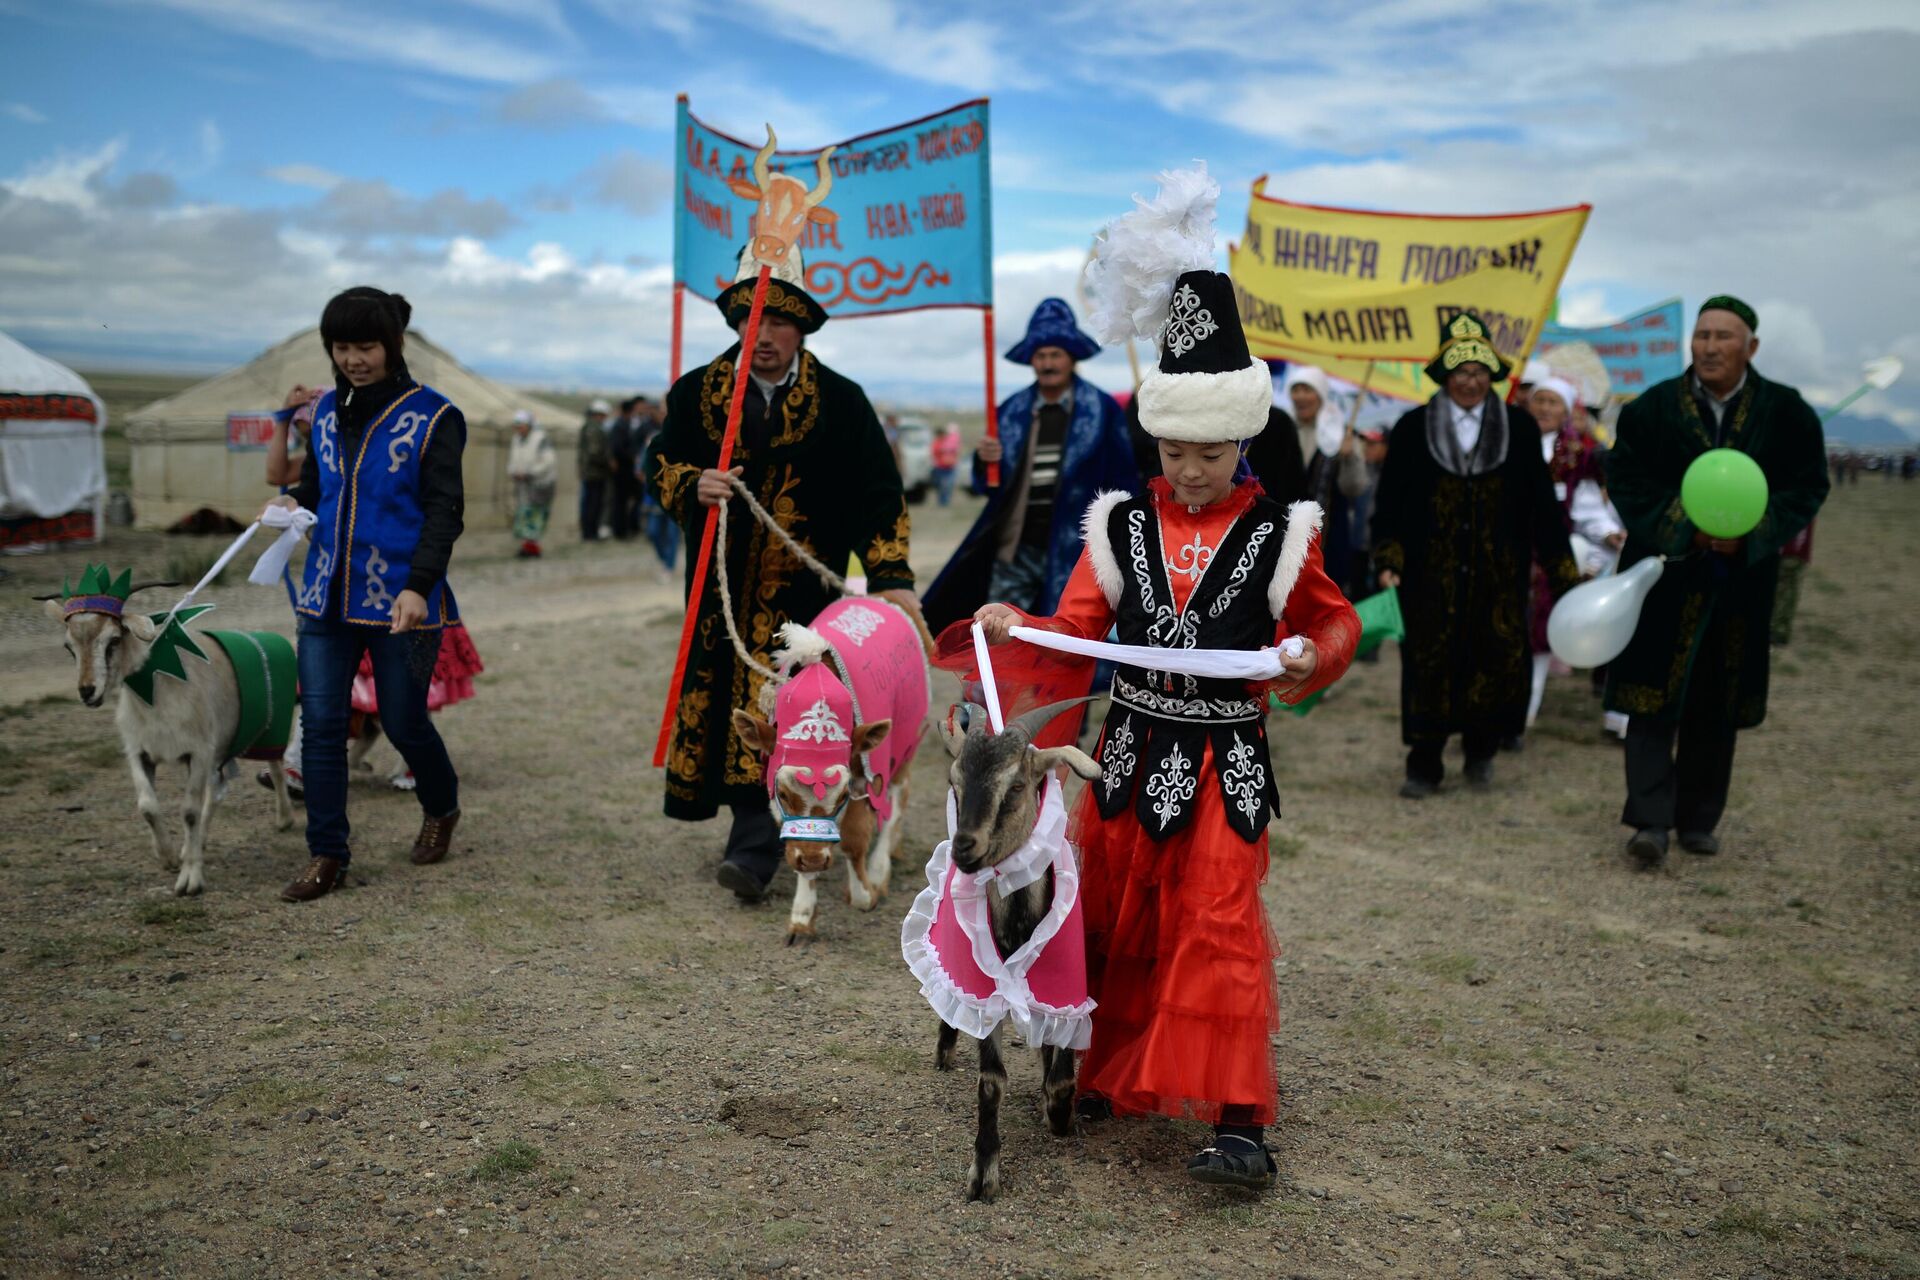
[(1208, 387), (787, 297)]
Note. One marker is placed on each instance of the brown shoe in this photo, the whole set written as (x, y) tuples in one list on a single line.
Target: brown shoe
[(435, 838), (322, 877)]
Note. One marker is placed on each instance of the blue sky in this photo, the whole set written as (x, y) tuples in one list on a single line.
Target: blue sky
[(186, 181)]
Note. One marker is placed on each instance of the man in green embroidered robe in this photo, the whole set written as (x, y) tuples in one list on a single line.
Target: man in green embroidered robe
[(1696, 671), (813, 453)]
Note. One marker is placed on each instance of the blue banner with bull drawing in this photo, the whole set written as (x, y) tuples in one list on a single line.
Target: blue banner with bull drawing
[(912, 225), (1645, 348)]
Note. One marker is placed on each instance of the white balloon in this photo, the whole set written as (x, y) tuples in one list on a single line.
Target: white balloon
[(1592, 624)]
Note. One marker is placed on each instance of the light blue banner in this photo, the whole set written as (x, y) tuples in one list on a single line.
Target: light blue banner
[(1647, 347), (914, 224)]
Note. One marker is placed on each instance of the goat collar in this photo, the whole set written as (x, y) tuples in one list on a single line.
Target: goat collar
[(163, 656)]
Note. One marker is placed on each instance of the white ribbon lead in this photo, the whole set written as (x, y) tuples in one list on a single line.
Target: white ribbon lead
[(1238, 664)]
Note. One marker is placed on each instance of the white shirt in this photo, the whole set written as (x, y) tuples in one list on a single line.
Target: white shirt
[(1466, 425), (768, 388), (1716, 403)]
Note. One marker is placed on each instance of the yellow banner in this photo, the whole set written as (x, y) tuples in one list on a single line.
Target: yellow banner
[(1341, 287)]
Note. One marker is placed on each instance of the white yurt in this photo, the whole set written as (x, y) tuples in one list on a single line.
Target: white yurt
[(195, 449), (53, 470)]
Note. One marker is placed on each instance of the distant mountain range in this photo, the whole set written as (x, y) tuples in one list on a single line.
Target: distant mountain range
[(1865, 432)]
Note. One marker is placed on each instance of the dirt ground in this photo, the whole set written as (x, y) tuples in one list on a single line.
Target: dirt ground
[(566, 1052)]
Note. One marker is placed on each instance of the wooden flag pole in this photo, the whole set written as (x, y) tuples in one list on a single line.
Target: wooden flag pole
[(748, 337), (679, 319), (993, 400)]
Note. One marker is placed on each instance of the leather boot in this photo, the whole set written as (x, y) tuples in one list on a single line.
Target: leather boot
[(435, 838), (322, 877)]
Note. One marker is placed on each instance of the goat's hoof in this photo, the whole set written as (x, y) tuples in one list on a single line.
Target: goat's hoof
[(187, 888), (799, 933), (984, 1186), (943, 1060)]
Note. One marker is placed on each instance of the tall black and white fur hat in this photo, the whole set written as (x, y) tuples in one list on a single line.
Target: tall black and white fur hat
[(1152, 276)]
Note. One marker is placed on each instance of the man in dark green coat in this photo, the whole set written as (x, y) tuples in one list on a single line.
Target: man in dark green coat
[(812, 452), (1696, 671)]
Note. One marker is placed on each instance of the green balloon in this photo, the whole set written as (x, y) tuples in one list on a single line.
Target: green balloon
[(1724, 493)]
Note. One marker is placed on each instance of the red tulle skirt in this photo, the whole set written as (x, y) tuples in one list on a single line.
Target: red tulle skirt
[(453, 673), (1180, 959)]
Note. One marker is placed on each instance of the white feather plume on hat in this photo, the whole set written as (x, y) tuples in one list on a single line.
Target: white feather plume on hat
[(1141, 254)]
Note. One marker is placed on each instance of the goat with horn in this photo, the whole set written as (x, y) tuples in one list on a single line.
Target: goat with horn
[(1205, 581), (997, 934)]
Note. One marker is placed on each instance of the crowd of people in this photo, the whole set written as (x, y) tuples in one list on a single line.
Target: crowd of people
[(1101, 521)]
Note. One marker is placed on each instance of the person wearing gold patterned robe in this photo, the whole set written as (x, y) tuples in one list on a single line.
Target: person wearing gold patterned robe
[(812, 452), (1464, 507)]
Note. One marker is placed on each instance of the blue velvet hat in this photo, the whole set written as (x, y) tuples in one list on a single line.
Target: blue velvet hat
[(1053, 325)]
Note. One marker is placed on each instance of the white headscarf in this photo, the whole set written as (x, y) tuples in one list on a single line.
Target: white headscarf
[(1329, 428), (1562, 388)]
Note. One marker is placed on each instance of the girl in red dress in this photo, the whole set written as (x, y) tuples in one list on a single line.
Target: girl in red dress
[(1173, 835)]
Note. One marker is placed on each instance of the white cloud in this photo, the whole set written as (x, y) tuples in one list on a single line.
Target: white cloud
[(22, 112), (628, 180), (69, 178), (552, 105), (967, 52), (335, 30), (212, 144), (305, 175)]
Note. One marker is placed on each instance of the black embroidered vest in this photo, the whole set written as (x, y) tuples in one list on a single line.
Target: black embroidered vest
[(1160, 723)]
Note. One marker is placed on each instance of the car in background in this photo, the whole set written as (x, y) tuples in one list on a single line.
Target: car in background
[(913, 450)]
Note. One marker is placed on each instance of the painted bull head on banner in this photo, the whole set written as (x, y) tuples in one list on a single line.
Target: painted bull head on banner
[(785, 206)]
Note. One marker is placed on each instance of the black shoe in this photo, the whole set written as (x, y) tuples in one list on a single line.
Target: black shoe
[(1092, 1108), (746, 886), (1648, 848), (1233, 1161), (1704, 843), (1480, 774), (1417, 789)]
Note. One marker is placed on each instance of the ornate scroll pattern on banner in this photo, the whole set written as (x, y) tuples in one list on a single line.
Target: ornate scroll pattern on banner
[(914, 205), (869, 281)]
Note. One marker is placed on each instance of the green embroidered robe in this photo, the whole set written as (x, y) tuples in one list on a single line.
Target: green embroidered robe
[(827, 474), (1708, 616)]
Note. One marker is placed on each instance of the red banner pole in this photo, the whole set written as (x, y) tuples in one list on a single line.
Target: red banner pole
[(748, 337), (993, 401), (679, 316)]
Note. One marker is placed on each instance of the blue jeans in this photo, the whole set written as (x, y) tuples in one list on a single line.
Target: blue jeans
[(329, 655), (664, 533), (943, 484)]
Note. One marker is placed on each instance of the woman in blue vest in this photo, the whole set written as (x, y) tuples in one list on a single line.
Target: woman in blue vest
[(382, 474)]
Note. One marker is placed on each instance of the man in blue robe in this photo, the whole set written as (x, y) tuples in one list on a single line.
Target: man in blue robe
[(1061, 442)]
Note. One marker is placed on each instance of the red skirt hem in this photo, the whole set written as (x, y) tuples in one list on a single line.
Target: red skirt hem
[(1180, 961)]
